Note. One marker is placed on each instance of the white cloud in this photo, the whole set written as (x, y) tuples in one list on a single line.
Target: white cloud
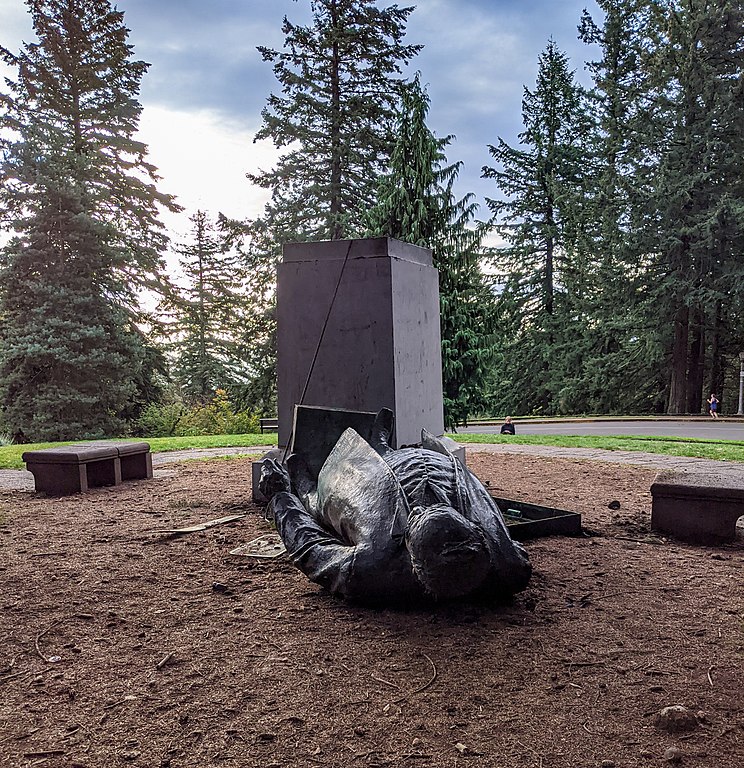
[(203, 159)]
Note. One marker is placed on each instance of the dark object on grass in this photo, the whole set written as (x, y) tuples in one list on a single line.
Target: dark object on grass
[(387, 527), (507, 428), (19, 437)]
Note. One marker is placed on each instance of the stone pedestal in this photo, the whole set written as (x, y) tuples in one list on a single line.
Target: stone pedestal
[(381, 346)]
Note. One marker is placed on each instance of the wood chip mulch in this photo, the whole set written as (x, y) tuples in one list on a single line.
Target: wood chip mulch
[(123, 646)]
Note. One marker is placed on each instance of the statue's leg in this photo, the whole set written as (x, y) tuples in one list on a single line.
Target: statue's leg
[(382, 429), (304, 484)]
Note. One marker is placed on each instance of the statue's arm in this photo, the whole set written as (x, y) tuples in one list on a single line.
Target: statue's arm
[(319, 554), (512, 569)]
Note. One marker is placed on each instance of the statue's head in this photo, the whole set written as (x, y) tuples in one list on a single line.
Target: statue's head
[(448, 553)]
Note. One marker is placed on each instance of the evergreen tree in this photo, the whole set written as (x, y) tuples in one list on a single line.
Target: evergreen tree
[(693, 206), (622, 364), (416, 204), (258, 255), (208, 313), (82, 201), (340, 88), (544, 268)]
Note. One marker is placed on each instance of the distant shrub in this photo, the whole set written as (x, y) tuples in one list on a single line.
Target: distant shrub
[(215, 418), (161, 419), (219, 418)]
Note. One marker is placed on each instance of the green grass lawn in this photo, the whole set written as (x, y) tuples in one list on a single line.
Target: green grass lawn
[(721, 450), (10, 455)]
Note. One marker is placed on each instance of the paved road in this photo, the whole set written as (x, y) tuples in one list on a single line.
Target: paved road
[(721, 429)]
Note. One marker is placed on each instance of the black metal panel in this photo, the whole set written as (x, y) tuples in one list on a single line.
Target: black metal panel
[(530, 521)]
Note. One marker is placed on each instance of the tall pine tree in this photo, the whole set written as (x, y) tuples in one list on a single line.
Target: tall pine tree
[(622, 371), (208, 312), (83, 204), (259, 254), (690, 149), (340, 87), (544, 266), (416, 204)]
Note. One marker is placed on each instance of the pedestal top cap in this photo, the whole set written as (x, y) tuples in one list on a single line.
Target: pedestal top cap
[(367, 248)]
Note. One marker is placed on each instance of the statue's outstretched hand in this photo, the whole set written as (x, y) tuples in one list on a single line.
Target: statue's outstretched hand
[(274, 478)]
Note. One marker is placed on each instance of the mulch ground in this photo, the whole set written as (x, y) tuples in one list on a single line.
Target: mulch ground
[(121, 646)]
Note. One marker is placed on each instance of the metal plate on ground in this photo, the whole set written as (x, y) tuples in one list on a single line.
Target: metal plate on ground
[(269, 545), (529, 521)]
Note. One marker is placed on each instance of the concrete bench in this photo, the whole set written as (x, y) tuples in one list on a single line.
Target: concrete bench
[(697, 508), (75, 468), (269, 425)]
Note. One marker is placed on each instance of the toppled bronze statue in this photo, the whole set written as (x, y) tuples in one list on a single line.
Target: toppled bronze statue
[(391, 527)]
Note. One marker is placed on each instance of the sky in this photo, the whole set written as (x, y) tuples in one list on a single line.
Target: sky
[(203, 94)]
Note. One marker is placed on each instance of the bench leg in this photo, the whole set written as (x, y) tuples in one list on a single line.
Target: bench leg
[(104, 472), (136, 466), (59, 479)]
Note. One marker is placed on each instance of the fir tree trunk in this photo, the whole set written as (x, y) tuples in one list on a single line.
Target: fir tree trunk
[(678, 381), (716, 361), (696, 365), (335, 189), (549, 274)]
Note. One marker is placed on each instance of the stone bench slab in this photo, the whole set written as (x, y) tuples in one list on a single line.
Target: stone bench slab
[(697, 508), (70, 469), (71, 454)]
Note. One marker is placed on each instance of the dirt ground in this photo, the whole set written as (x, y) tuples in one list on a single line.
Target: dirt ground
[(120, 645)]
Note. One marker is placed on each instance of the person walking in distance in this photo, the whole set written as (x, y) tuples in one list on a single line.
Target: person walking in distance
[(713, 406)]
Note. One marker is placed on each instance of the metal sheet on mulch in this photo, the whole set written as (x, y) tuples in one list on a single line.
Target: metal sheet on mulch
[(268, 545), (530, 521), (203, 526)]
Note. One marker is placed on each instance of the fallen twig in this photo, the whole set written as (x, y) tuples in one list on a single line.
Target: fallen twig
[(433, 677), (165, 660), (425, 685), (593, 733), (534, 752), (22, 736), (650, 671), (39, 636), (44, 753), (710, 679), (572, 664), (10, 677), (47, 554), (645, 540), (386, 682), (113, 704)]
